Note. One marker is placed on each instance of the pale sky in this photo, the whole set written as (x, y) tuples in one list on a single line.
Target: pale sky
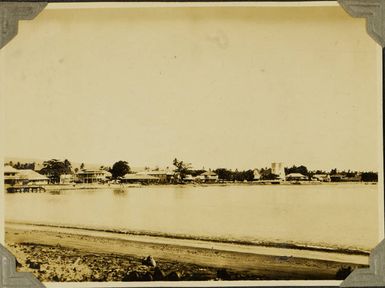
[(217, 87)]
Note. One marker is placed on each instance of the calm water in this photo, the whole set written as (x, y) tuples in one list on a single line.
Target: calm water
[(344, 215)]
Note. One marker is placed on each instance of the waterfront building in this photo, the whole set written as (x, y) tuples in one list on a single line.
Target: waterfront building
[(322, 177), (67, 179), (29, 176), (296, 177), (208, 177), (188, 178), (139, 178), (11, 175), (344, 178), (164, 176), (93, 176)]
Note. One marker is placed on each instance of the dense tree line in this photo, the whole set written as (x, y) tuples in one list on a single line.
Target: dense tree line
[(300, 169), (19, 165), (229, 175), (369, 177)]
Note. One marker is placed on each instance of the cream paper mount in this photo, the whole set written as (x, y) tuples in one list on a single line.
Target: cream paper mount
[(374, 12)]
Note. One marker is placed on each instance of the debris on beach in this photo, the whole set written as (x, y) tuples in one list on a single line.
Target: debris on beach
[(159, 275), (61, 264), (149, 261), (174, 276), (223, 274)]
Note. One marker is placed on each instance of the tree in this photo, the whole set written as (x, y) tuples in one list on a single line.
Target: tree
[(54, 169), (68, 165), (19, 165), (300, 169), (224, 174), (333, 171), (82, 166), (269, 176), (119, 169), (181, 168), (369, 177)]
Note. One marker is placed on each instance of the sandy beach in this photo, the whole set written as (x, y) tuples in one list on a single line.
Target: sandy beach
[(62, 254)]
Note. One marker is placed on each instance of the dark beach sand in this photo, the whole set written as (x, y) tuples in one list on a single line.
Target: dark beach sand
[(58, 255)]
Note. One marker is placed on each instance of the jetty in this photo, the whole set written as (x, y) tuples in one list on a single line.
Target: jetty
[(25, 188)]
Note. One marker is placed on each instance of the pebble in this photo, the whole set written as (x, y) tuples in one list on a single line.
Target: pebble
[(34, 265), (131, 276), (147, 277), (174, 276)]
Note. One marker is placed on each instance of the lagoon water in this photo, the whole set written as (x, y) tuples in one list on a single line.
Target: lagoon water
[(332, 215)]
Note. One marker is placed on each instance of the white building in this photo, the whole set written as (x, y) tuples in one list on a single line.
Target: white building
[(11, 175), (322, 177), (257, 174), (164, 176), (67, 179), (278, 169), (93, 176), (208, 176), (296, 177)]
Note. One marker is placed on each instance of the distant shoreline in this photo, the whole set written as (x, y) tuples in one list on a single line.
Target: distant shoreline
[(50, 187)]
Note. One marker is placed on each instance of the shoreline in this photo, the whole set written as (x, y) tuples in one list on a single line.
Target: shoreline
[(80, 186), (190, 259), (215, 240)]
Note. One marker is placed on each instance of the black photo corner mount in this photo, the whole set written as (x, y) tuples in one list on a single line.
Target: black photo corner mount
[(374, 12)]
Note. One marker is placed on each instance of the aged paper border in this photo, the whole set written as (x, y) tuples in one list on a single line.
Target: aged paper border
[(374, 12)]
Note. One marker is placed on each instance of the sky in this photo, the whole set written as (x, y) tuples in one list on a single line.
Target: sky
[(216, 87)]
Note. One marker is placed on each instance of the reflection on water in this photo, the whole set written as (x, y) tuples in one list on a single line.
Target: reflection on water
[(119, 192), (330, 215)]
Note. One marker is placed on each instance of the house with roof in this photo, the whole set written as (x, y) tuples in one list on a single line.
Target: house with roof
[(336, 178), (164, 176), (93, 176), (188, 178), (208, 177), (296, 177), (321, 177), (30, 177), (139, 178), (67, 178), (11, 175)]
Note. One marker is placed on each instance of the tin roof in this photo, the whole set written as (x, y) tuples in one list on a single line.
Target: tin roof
[(31, 175)]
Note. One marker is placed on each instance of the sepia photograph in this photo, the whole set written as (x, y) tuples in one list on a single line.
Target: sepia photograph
[(192, 142)]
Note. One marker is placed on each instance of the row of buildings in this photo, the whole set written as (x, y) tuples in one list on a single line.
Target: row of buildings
[(278, 170), (13, 176)]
